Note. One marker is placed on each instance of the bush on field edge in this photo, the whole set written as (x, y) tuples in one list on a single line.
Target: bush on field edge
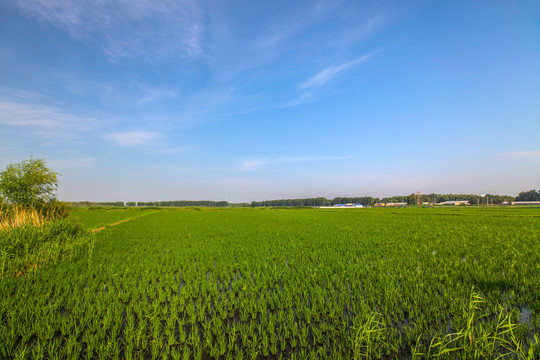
[(32, 237)]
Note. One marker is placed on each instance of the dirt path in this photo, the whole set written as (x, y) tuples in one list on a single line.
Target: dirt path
[(121, 221)]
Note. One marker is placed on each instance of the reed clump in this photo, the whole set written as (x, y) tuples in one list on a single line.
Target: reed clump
[(13, 216), (16, 216)]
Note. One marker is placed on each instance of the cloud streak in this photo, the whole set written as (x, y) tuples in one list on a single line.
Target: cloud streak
[(127, 28), (256, 164), (73, 162), (151, 95), (310, 87), (526, 154), (18, 114), (134, 138), (330, 73)]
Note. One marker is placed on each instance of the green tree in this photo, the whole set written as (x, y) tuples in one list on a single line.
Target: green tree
[(531, 195), (28, 183)]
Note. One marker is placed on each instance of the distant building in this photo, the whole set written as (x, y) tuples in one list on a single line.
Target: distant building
[(342, 206), (525, 202), (455, 202), (350, 205)]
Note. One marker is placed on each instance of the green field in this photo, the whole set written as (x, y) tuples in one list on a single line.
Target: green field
[(285, 283)]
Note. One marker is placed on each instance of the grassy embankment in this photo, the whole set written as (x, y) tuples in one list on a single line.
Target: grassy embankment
[(33, 238)]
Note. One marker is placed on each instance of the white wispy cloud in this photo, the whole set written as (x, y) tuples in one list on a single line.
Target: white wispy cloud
[(169, 149), (26, 114), (127, 28), (310, 87), (150, 95), (73, 162), (240, 183), (134, 138), (355, 177), (331, 72), (526, 154), (307, 97), (254, 164), (258, 163), (19, 114)]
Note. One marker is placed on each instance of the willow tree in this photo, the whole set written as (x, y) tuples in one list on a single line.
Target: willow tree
[(28, 183)]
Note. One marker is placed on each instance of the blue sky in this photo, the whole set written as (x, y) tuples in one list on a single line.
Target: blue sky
[(250, 100)]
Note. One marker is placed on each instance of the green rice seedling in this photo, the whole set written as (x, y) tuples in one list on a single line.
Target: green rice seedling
[(264, 344), (533, 351), (273, 344), (170, 337), (39, 350), (113, 348), (369, 337), (194, 339), (198, 352), (303, 337), (213, 351), (22, 352), (476, 341), (293, 340), (239, 355), (175, 354), (222, 344), (186, 353), (91, 344), (53, 349), (182, 336), (253, 350), (208, 339), (129, 350), (8, 335)]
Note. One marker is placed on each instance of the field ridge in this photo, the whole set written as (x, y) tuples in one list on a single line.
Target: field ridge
[(96, 230)]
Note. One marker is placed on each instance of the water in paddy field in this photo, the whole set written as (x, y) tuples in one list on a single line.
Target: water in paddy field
[(525, 315)]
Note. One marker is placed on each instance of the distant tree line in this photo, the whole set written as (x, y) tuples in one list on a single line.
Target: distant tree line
[(180, 203), (531, 195), (473, 199), (93, 203), (318, 201), (412, 199)]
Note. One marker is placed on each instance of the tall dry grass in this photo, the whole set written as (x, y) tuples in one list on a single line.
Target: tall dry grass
[(16, 216)]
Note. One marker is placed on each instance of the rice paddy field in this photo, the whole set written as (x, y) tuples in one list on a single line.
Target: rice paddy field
[(411, 283)]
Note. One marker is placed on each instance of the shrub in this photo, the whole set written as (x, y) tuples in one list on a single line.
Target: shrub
[(55, 210)]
